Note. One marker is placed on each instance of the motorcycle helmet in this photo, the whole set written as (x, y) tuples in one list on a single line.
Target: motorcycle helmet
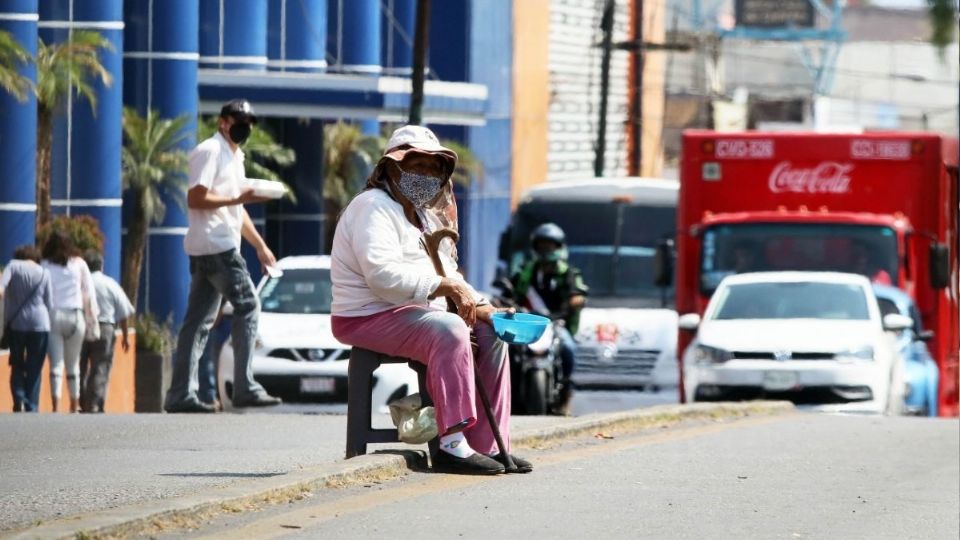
[(541, 240)]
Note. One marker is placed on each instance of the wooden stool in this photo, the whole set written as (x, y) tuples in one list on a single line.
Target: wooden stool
[(360, 370)]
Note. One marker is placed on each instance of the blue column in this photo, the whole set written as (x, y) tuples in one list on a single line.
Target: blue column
[(399, 25), (87, 178), (18, 136), (161, 72), (233, 34), (359, 39), (297, 35)]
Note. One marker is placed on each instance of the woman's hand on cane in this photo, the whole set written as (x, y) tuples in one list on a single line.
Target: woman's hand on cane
[(462, 297)]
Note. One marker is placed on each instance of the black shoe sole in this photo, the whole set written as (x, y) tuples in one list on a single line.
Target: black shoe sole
[(452, 465)]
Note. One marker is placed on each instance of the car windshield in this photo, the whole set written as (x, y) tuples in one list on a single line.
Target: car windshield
[(301, 290), (613, 245), (860, 249), (792, 300)]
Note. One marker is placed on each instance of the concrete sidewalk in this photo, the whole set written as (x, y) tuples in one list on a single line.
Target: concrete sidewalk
[(114, 473)]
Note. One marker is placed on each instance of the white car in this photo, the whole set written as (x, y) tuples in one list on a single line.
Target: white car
[(296, 356), (811, 337)]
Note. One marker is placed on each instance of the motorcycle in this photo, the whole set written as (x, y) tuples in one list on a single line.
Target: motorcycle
[(535, 368)]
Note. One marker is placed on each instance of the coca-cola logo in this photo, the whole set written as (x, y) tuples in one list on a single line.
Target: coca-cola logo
[(827, 177)]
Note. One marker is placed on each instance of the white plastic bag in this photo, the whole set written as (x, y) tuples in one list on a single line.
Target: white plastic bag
[(415, 423)]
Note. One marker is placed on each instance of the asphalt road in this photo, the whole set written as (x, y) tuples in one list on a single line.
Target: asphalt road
[(799, 475)]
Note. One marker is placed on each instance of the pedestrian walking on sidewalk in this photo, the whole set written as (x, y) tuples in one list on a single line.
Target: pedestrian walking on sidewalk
[(387, 297), (27, 304), (96, 357), (75, 312), (217, 221)]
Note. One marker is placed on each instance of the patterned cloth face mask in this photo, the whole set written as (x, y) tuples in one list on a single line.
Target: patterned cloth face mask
[(419, 189)]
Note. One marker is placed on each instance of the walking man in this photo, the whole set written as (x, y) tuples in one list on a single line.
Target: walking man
[(96, 357), (217, 221)]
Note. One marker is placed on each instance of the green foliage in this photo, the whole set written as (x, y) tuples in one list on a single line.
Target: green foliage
[(71, 65), (264, 154), (152, 162), (943, 23), (468, 166), (349, 157), (83, 230), (12, 57), (153, 335)]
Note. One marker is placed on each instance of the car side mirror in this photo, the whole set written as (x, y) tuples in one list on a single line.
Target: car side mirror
[(663, 264), (894, 322), (689, 322), (939, 266), (925, 336)]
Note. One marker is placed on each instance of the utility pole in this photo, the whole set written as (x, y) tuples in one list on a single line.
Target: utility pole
[(420, 41), (606, 25), (636, 125)]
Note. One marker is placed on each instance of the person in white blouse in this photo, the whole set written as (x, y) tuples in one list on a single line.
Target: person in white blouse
[(387, 297), (74, 304)]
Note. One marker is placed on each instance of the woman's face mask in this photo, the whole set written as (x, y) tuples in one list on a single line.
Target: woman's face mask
[(419, 189)]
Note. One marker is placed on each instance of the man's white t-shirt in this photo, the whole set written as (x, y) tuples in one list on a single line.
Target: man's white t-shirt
[(216, 167)]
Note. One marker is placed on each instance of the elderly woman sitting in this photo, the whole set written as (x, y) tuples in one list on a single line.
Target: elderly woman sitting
[(387, 297)]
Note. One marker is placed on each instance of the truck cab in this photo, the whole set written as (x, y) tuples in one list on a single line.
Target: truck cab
[(883, 205)]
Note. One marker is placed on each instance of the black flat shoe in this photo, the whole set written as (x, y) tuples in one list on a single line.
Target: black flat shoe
[(475, 464), (523, 466), (189, 407), (258, 401)]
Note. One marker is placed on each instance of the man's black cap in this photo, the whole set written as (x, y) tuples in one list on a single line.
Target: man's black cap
[(239, 109)]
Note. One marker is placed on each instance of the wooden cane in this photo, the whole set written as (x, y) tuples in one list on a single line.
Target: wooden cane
[(431, 243)]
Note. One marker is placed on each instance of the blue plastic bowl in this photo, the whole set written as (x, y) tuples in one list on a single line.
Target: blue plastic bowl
[(520, 329)]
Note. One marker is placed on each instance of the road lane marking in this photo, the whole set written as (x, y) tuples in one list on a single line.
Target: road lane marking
[(319, 511)]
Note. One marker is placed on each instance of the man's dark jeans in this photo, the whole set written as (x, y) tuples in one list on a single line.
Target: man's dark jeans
[(27, 353), (212, 277)]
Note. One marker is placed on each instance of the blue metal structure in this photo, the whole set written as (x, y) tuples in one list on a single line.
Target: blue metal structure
[(399, 25), (819, 58), (18, 132), (233, 34), (86, 169), (297, 35), (160, 68)]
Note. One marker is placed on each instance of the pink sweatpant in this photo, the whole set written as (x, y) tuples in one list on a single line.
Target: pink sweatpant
[(441, 341)]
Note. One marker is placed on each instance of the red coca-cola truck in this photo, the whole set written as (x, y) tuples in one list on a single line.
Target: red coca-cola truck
[(880, 204)]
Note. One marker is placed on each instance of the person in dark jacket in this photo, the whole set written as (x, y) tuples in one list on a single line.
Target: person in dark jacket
[(550, 286)]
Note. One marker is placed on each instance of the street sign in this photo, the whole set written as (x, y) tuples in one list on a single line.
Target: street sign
[(774, 13)]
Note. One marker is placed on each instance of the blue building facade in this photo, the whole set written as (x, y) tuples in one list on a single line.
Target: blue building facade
[(18, 128), (303, 64)]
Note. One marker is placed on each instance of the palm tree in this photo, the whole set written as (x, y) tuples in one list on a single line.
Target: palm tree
[(348, 158), (153, 166), (12, 57), (63, 70), (261, 148), (943, 22)]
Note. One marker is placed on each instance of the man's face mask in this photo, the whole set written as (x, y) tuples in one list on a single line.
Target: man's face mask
[(419, 189), (240, 132)]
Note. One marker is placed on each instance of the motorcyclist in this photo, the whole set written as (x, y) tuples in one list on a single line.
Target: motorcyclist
[(549, 285)]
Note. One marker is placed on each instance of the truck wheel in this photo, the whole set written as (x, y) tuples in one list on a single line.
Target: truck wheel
[(535, 392)]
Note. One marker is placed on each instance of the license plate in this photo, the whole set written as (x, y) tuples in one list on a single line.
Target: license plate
[(317, 385), (778, 381)]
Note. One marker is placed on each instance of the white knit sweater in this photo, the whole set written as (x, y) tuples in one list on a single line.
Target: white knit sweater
[(378, 262)]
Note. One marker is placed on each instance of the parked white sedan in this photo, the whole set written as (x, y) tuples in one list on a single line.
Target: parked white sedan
[(296, 356), (811, 337)]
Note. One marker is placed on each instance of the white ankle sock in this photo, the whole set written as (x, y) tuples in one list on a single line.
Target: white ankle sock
[(456, 444)]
